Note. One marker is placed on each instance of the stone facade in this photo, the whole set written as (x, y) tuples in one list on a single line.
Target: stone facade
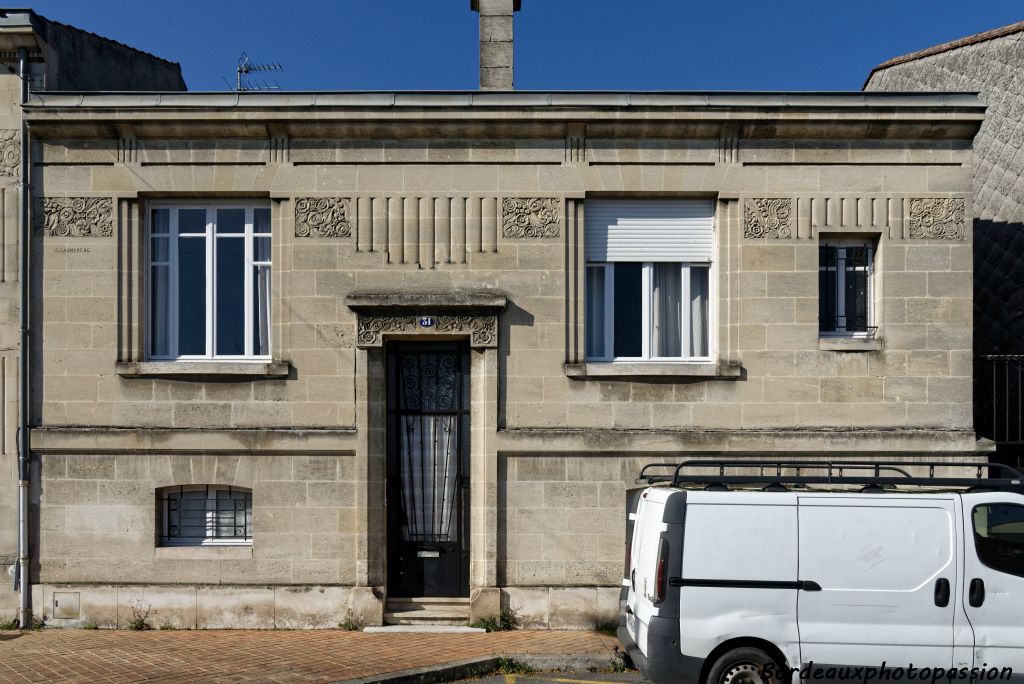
[(467, 211)]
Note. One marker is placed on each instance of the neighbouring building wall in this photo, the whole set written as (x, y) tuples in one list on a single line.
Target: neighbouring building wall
[(989, 63), (498, 210)]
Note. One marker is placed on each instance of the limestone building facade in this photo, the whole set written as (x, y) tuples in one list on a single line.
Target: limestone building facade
[(301, 358)]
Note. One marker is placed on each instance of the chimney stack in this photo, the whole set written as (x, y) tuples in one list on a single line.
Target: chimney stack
[(496, 42)]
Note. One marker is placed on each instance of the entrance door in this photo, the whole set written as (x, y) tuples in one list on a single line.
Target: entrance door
[(428, 474)]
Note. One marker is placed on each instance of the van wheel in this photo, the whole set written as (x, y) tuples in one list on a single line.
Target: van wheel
[(746, 666)]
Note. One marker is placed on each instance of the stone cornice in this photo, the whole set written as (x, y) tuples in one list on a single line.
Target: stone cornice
[(854, 115), (118, 440)]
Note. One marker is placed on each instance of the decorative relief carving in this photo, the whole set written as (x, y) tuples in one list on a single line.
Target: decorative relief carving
[(74, 216), (10, 153), (322, 217), (535, 217), (767, 218), (482, 329), (942, 218)]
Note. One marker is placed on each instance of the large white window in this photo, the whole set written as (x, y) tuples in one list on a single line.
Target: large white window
[(846, 288), (205, 515), (648, 280), (209, 282)]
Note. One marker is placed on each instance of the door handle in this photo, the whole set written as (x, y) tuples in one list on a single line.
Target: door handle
[(976, 596), (942, 592)]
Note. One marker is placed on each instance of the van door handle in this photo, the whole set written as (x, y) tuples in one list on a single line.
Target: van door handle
[(976, 596), (942, 592)]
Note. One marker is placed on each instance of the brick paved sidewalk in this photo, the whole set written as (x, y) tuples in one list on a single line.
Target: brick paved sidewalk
[(260, 656)]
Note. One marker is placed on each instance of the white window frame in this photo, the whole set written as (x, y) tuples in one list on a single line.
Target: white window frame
[(211, 237), (647, 313), (211, 491), (843, 244)]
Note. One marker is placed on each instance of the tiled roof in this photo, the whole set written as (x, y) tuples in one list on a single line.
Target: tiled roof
[(952, 45)]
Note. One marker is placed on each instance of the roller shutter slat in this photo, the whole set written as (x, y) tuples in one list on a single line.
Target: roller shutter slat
[(649, 230)]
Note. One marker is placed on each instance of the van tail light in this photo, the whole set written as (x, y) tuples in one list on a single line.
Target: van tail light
[(661, 578)]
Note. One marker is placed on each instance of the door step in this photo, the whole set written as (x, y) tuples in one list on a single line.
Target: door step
[(427, 611)]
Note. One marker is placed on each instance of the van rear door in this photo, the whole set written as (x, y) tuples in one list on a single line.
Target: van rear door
[(993, 591), (646, 538), (887, 569)]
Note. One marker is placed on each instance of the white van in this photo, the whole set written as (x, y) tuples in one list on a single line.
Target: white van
[(837, 572)]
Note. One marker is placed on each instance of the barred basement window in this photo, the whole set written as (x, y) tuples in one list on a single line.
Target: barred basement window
[(205, 515), (845, 288)]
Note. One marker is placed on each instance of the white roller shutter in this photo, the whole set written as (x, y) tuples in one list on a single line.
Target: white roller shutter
[(649, 230)]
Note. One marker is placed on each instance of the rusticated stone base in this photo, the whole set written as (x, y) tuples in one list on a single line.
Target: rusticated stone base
[(207, 607)]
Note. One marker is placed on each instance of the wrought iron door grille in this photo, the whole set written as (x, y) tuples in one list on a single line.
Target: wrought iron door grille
[(999, 398), (196, 515), (845, 289), (429, 413)]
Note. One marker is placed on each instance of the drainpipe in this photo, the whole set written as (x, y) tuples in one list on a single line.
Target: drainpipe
[(25, 586)]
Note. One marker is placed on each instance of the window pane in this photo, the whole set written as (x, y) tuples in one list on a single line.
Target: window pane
[(191, 220), (999, 537), (230, 297), (160, 310), (261, 249), (595, 312), (261, 221), (627, 305), (230, 221), (699, 306), (160, 249), (191, 295), (666, 310), (161, 222), (856, 295), (261, 311)]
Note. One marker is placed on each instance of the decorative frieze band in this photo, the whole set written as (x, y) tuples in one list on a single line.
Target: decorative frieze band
[(482, 329), (322, 217), (74, 216), (942, 218), (10, 153), (767, 217), (531, 217)]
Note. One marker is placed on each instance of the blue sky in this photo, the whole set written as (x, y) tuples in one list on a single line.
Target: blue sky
[(560, 44)]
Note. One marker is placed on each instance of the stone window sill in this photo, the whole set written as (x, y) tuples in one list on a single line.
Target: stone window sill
[(850, 344), (654, 369), (238, 552), (193, 369)]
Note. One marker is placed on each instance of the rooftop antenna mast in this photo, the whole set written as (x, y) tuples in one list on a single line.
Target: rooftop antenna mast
[(246, 66)]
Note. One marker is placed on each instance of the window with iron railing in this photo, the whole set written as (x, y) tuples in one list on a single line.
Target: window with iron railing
[(205, 515), (846, 288)]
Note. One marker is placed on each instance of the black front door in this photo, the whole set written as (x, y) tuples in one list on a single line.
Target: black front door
[(428, 474)]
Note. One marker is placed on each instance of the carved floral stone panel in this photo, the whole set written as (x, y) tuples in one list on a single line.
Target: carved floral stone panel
[(940, 218), (322, 217), (532, 217), (482, 329), (767, 218), (10, 153), (74, 216)]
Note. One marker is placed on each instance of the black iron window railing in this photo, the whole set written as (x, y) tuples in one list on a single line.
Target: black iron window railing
[(845, 290), (205, 515)]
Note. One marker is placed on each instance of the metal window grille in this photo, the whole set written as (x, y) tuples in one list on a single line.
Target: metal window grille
[(845, 289), (205, 515)]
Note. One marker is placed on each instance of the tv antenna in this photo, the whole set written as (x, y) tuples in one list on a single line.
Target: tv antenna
[(246, 67)]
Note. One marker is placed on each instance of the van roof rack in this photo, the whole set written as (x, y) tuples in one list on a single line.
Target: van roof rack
[(828, 472)]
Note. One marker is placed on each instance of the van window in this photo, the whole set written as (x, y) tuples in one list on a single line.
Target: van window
[(999, 537)]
